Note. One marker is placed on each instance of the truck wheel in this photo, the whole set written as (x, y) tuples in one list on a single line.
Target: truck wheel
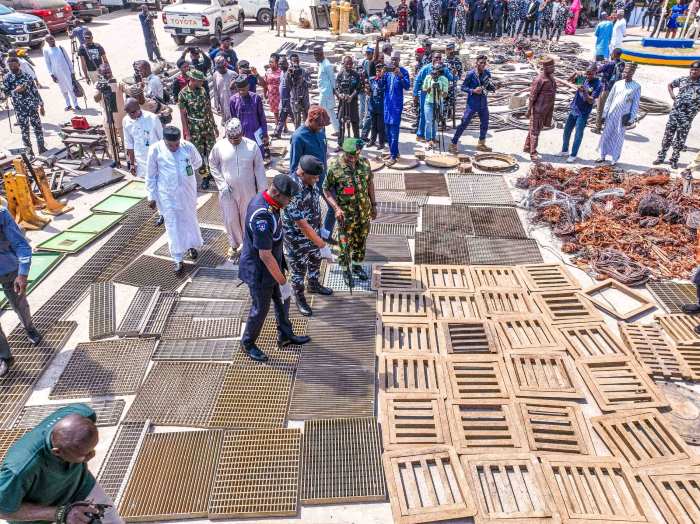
[(241, 23), (179, 39), (264, 16), (219, 31)]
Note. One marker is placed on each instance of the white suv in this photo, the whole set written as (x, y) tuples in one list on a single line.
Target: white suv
[(202, 19), (258, 9)]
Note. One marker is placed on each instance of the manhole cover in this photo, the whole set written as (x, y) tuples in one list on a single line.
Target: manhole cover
[(685, 411)]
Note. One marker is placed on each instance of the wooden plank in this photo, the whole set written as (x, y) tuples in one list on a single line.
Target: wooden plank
[(680, 328), (654, 352), (676, 493), (617, 383), (543, 375), (413, 421), (689, 356), (401, 303), (495, 276), (566, 307), (405, 337), (439, 469), (547, 277), (591, 340), (642, 303), (411, 374), (555, 427), (509, 488), (527, 332), (642, 438), (600, 490), (453, 304), (485, 426), (395, 276), (476, 376), (437, 277), (468, 336), (494, 302)]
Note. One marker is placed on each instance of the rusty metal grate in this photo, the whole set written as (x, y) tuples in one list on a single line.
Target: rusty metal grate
[(102, 313), (446, 218), (209, 236), (478, 189), (108, 367), (504, 251), (159, 315), (208, 308), (500, 222), (180, 465), (672, 295), (257, 474), (108, 413), (386, 228), (440, 247), (120, 458), (387, 248), (178, 394), (210, 212), (136, 316), (396, 276), (428, 184), (397, 207), (153, 271), (342, 461), (187, 328), (196, 349), (8, 437)]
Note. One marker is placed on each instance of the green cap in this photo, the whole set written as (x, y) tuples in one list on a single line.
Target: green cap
[(352, 145), (196, 74)]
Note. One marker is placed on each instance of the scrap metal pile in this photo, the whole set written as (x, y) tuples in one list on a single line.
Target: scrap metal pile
[(627, 226)]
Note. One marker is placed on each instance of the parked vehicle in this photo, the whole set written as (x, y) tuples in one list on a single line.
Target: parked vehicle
[(86, 10), (258, 9), (54, 13), (20, 29), (202, 19)]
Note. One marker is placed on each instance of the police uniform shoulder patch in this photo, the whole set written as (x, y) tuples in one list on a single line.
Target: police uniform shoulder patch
[(261, 225)]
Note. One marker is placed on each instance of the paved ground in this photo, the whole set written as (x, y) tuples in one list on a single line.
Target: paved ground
[(121, 36)]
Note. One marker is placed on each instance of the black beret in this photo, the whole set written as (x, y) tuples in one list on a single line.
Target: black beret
[(285, 185), (311, 165), (171, 133)]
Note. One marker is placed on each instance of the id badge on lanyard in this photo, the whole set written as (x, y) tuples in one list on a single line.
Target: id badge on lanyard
[(188, 168)]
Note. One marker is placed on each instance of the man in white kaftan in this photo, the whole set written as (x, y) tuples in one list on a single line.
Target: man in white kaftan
[(61, 70), (141, 129), (620, 111), (171, 185), (221, 88), (326, 85), (618, 31), (237, 166)]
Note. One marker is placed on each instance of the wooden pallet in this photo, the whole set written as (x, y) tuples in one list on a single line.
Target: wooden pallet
[(413, 421), (427, 485), (547, 277), (566, 307), (509, 488), (454, 304), (680, 328), (446, 277), (617, 383), (642, 438), (494, 302), (591, 340), (676, 493), (413, 374), (495, 276), (401, 303), (653, 351), (485, 426), (476, 376), (405, 337), (543, 375), (467, 337), (395, 276), (555, 427), (642, 304), (690, 360), (601, 490), (527, 332)]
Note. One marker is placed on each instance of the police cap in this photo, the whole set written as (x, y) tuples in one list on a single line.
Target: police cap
[(695, 65), (311, 165), (285, 185)]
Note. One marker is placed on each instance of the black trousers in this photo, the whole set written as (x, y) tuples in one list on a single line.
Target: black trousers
[(21, 307), (377, 130), (260, 307), (355, 124)]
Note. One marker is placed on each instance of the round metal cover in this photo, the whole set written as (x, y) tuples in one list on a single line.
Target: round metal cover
[(495, 162), (375, 164), (442, 161), (685, 411), (403, 163)]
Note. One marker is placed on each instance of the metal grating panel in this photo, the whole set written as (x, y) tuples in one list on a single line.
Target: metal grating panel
[(153, 271), (395, 276), (334, 279), (108, 367), (504, 251), (672, 295), (257, 474), (653, 351), (439, 247), (342, 461), (478, 189), (399, 197), (409, 374), (187, 328), (221, 289), (446, 218), (476, 376), (386, 228), (502, 222), (467, 337), (120, 457), (159, 315), (180, 465), (389, 181), (210, 212), (422, 183), (196, 349), (209, 236), (208, 308), (108, 413), (102, 313), (396, 207), (139, 311), (286, 358), (178, 394), (396, 218), (387, 248), (8, 437)]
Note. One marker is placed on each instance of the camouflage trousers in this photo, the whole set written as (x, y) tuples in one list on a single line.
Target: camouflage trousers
[(356, 229), (677, 129), (304, 259)]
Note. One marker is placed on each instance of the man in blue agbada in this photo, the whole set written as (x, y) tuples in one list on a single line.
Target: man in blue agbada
[(419, 94), (396, 80)]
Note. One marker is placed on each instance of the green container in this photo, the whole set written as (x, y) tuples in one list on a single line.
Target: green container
[(68, 242), (134, 189), (96, 223), (115, 204)]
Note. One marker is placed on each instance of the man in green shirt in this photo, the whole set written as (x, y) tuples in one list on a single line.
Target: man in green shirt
[(45, 478)]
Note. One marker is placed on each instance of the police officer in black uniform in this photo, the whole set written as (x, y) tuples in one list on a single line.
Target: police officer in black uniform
[(303, 245), (348, 86), (262, 266)]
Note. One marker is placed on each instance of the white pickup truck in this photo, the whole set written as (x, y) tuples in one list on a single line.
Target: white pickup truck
[(202, 19)]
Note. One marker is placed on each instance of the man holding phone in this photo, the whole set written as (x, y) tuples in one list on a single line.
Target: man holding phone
[(589, 89), (396, 80)]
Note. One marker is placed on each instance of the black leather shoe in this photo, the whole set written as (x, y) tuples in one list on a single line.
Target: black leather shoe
[(315, 287), (658, 161), (192, 254), (302, 304), (331, 241), (347, 278), (359, 271), (255, 353), (690, 309), (177, 268), (159, 220), (34, 336), (294, 340), (674, 164), (697, 329)]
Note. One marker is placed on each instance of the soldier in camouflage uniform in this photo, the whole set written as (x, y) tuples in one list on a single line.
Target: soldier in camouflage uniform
[(198, 124), (303, 246), (455, 64), (686, 105), (349, 189)]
